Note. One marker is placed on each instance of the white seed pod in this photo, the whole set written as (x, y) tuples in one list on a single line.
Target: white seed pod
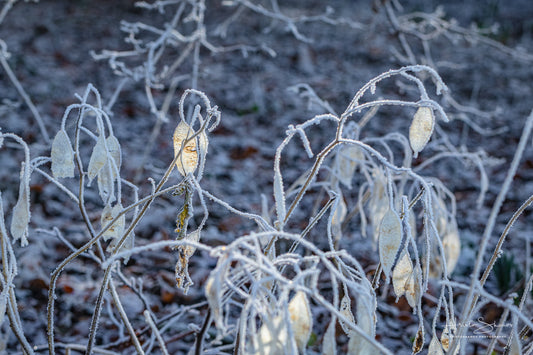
[(338, 217), (434, 346), (515, 348), (379, 202), (346, 162), (412, 289), (401, 273), (421, 129), (329, 344), (271, 339), (452, 247), (62, 156), (113, 147), (98, 158), (21, 212), (117, 229), (390, 238), (346, 311), (106, 183), (188, 157), (213, 294), (301, 319)]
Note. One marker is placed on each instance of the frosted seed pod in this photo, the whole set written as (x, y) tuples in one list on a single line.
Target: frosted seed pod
[(346, 161), (213, 294), (301, 319), (271, 338), (418, 344), (113, 147), (390, 237), (346, 311), (445, 338), (412, 288), (117, 229), (338, 217), (379, 202), (401, 273), (188, 157), (421, 129), (98, 158), (329, 345), (434, 347), (106, 183), (515, 347), (21, 212), (452, 247), (62, 156)]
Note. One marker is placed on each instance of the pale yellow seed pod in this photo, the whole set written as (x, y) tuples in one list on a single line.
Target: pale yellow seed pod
[(445, 338), (401, 273), (62, 156), (188, 157), (301, 319), (98, 158), (452, 247), (117, 229), (421, 129), (213, 293), (434, 346), (390, 237)]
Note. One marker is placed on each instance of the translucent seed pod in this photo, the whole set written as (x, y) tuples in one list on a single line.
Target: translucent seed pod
[(412, 289), (113, 147), (21, 212), (452, 247), (116, 230), (62, 156), (271, 339), (346, 162), (401, 273), (346, 311), (214, 294), (338, 217), (98, 158), (301, 319), (188, 157), (434, 346), (390, 238), (106, 183), (329, 343), (421, 129), (515, 348)]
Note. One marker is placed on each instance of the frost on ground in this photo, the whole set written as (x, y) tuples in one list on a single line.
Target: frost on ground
[(264, 177)]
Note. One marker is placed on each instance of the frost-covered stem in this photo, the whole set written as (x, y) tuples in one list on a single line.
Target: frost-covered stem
[(11, 309), (98, 310), (200, 335), (22, 92), (498, 248), (314, 170), (155, 331), (472, 297), (55, 274), (125, 320)]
